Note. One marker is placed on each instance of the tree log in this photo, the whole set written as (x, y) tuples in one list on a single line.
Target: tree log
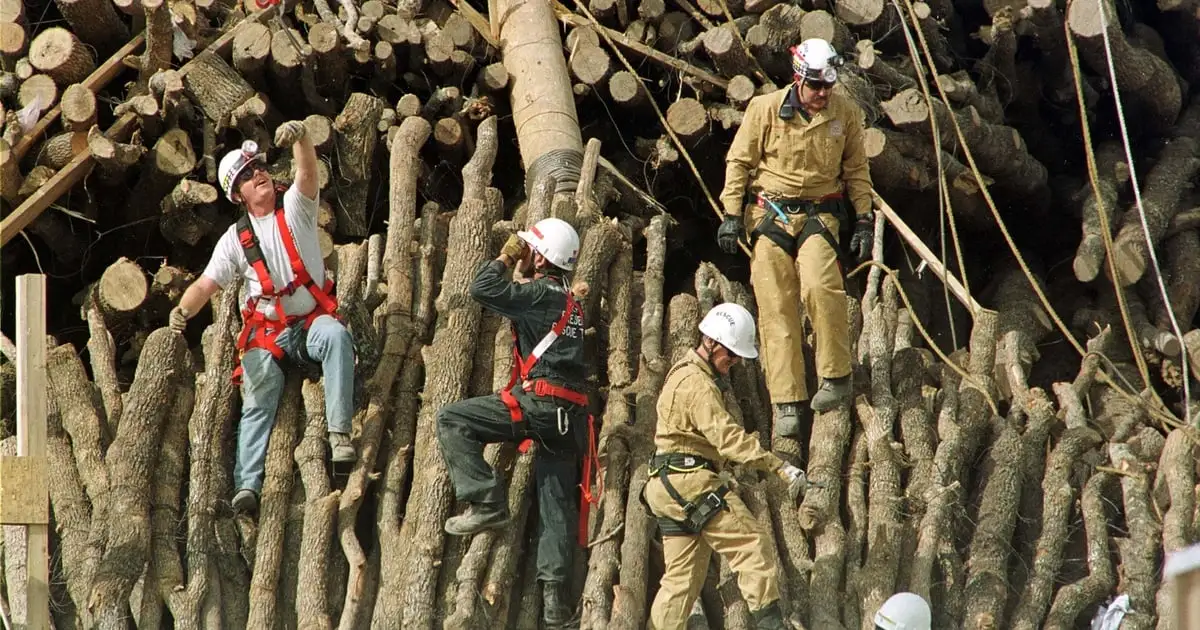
[(356, 142), (1164, 187), (37, 93), (58, 53), (95, 22), (1144, 78)]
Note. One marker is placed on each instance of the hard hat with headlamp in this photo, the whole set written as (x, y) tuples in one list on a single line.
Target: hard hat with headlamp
[(234, 163), (815, 60)]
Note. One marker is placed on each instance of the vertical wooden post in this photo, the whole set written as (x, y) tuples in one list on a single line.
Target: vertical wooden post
[(1182, 571), (31, 432)]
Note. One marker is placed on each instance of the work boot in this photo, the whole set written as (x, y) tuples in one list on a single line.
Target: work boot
[(245, 501), (769, 618), (833, 392), (555, 611), (343, 450), (787, 420), (478, 517)]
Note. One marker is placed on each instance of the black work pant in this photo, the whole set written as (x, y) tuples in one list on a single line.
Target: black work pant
[(466, 426)]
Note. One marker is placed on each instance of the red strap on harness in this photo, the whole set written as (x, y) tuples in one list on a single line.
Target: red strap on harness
[(522, 366), (591, 463), (258, 330)]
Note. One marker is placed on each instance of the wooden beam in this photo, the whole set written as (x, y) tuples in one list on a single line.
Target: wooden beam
[(82, 164), (927, 255), (31, 432), (102, 76)]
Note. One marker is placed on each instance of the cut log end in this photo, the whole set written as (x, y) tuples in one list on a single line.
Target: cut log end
[(687, 118), (123, 287), (78, 108), (58, 53), (625, 88)]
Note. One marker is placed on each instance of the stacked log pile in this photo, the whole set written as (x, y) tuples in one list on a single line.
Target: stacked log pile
[(1010, 479)]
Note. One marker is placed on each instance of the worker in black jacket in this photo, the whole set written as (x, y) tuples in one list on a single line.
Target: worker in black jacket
[(542, 402)]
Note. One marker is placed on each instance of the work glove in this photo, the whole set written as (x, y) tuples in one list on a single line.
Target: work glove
[(514, 247), (797, 481), (289, 133), (729, 232), (178, 319), (864, 237)]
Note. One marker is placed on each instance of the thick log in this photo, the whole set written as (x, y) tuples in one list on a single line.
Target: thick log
[(356, 142), (122, 290), (58, 53), (1139, 550), (131, 460), (95, 22), (625, 88), (251, 49), (590, 65), (13, 40), (872, 63), (78, 108), (37, 93), (961, 90), (1163, 191), (724, 47), (890, 169), (688, 119), (1174, 498), (215, 87), (1144, 78), (188, 215), (999, 151), (822, 25)]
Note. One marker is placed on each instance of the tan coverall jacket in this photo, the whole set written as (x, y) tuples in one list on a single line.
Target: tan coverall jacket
[(798, 159), (692, 419)]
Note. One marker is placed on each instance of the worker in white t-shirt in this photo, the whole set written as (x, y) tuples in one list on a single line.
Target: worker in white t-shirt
[(291, 315)]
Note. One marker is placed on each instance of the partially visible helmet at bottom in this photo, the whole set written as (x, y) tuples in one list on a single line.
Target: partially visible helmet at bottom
[(904, 611)]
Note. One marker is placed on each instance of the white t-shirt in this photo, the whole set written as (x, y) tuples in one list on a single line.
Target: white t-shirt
[(229, 259)]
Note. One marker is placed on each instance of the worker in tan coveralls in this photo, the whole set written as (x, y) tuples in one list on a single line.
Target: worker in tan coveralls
[(696, 510), (796, 157)]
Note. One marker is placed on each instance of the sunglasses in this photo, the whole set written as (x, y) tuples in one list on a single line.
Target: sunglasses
[(248, 173), (818, 86)]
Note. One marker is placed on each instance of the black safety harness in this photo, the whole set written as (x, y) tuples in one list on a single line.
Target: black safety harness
[(697, 513), (788, 210)]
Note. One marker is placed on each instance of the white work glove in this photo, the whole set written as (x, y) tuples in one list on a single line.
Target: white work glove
[(178, 319), (797, 481), (289, 133)]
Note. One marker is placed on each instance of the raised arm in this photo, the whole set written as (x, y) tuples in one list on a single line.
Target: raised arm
[(304, 156)]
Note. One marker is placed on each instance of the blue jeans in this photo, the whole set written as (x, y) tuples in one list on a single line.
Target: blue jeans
[(262, 384)]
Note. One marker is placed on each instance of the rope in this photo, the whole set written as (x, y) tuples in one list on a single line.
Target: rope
[(1158, 410), (1137, 196), (945, 207), (662, 118), (966, 376)]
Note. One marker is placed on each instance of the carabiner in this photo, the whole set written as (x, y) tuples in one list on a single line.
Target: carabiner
[(564, 422)]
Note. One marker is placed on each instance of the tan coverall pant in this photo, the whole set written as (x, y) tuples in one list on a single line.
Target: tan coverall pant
[(780, 284), (733, 533)]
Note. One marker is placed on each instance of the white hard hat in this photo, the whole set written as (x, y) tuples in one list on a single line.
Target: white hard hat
[(815, 59), (556, 240), (904, 611), (234, 163), (732, 326)]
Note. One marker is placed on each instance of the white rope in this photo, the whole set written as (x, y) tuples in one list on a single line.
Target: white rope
[(1137, 195)]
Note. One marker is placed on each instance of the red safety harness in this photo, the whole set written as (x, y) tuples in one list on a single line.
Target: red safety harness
[(258, 330), (522, 366)]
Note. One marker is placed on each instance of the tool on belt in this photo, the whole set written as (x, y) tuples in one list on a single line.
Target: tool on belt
[(781, 208), (696, 513), (258, 330), (522, 366)]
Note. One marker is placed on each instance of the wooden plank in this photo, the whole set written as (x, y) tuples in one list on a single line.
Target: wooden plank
[(926, 254), (23, 491), (82, 164), (102, 76), (31, 432)]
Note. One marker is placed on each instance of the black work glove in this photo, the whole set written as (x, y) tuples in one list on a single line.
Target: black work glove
[(863, 239), (729, 233)]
